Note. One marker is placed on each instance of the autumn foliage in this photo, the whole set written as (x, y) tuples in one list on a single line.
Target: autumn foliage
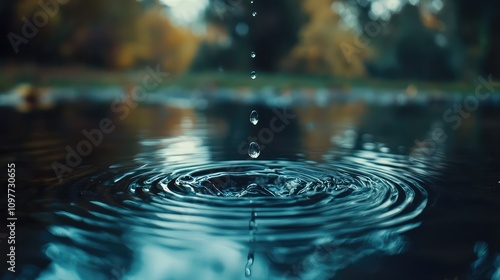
[(156, 39), (113, 34), (326, 46)]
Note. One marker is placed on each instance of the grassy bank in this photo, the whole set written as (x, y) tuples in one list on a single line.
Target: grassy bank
[(79, 77)]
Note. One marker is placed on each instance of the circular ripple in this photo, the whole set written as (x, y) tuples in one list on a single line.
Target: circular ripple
[(305, 197), (291, 212), (241, 179)]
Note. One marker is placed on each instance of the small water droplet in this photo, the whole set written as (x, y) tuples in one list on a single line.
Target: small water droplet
[(252, 225), (254, 13), (248, 266), (253, 75), (253, 54), (250, 259), (251, 2), (248, 272), (254, 117), (254, 150)]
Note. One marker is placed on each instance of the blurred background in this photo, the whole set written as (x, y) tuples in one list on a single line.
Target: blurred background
[(355, 40), (401, 90)]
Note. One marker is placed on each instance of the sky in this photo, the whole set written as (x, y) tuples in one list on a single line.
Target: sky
[(186, 12)]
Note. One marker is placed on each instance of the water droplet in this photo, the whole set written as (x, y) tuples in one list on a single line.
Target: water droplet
[(251, 2), (250, 259), (253, 75), (254, 117), (253, 54), (254, 150), (254, 13), (248, 272), (248, 266), (252, 226)]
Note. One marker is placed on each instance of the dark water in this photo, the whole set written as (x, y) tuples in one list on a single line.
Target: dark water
[(341, 190)]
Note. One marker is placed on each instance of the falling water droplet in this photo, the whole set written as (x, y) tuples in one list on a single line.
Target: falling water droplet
[(254, 117), (251, 2), (254, 150), (248, 272), (250, 259), (248, 266), (254, 13), (252, 226), (253, 55), (253, 75)]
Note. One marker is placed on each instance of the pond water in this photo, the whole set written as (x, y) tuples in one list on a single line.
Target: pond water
[(379, 187)]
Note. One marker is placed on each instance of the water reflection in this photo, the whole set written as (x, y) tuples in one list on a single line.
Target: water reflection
[(342, 212), (335, 187), (320, 124)]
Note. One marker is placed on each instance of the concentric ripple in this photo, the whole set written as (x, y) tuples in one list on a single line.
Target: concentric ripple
[(291, 210), (285, 194)]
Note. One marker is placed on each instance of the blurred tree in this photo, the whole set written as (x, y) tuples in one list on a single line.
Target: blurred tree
[(459, 40), (96, 32), (478, 30), (326, 46), (100, 33), (7, 19), (154, 39), (435, 40), (415, 44)]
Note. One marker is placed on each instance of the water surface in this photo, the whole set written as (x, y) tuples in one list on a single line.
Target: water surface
[(339, 191)]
